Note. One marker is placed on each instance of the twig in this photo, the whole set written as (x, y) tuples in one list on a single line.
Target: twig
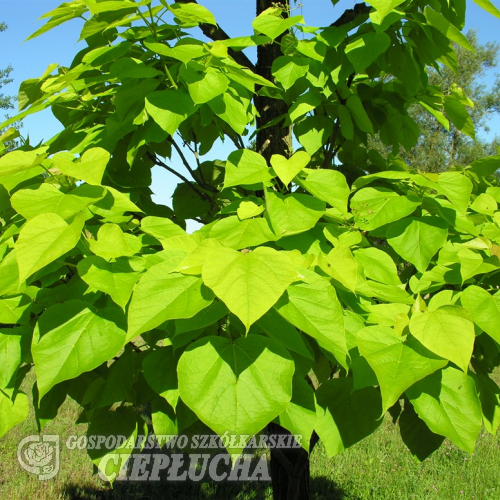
[(350, 15), (158, 162), (216, 33)]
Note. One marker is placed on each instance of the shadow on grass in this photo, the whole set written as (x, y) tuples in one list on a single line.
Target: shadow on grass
[(206, 488), (321, 489)]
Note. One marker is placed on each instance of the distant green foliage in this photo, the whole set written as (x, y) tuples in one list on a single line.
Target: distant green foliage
[(437, 148)]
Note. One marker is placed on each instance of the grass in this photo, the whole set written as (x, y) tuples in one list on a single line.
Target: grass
[(380, 467)]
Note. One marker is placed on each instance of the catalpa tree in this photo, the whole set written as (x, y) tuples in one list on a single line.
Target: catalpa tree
[(327, 284)]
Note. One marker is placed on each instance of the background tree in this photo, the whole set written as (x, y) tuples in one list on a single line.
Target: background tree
[(7, 102), (440, 147), (315, 297)]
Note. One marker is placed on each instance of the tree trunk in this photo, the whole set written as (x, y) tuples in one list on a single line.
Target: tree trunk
[(290, 473), (289, 467), (275, 139)]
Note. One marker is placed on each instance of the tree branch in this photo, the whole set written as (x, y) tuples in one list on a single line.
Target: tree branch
[(216, 33), (158, 162), (360, 9)]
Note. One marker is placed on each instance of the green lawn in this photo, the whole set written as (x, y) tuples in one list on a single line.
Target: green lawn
[(379, 467)]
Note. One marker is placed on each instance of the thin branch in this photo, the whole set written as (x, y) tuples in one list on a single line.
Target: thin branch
[(350, 15), (200, 180), (158, 162), (183, 158), (216, 33), (330, 150)]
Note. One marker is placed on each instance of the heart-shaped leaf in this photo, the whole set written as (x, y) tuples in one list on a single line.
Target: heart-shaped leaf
[(248, 283), (236, 388), (287, 169)]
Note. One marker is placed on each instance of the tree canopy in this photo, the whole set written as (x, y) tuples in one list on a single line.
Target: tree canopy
[(327, 285)]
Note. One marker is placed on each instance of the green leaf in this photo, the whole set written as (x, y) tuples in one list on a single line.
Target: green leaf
[(233, 110), (358, 113), (418, 239), (373, 207), (205, 318), (344, 416), (245, 167), (287, 168), (485, 204), (159, 368), (302, 105), (489, 395), (273, 25), (484, 309), (90, 168), (398, 364), (44, 239), (248, 209), (15, 310), (248, 283), (13, 412), (164, 420), (112, 242), (488, 7), (377, 265), (459, 116), (280, 330), (300, 415), (194, 261), (13, 341), (187, 203), (384, 7), (184, 53), (161, 228), (421, 441), (342, 266), (204, 84), (287, 70), (105, 423), (169, 108), (16, 162), (236, 387), (161, 295), (99, 7), (238, 234), (346, 125), (457, 188), (486, 166), (192, 13), (293, 213), (313, 132), (366, 49), (46, 198), (328, 185), (70, 339), (448, 332), (128, 67), (448, 403), (117, 279), (438, 21), (313, 307)]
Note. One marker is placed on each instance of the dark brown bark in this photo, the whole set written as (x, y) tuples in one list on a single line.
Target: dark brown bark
[(217, 33), (290, 472), (277, 138), (290, 469), (360, 9)]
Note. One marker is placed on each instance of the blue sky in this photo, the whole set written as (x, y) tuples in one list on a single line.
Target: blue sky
[(30, 59)]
